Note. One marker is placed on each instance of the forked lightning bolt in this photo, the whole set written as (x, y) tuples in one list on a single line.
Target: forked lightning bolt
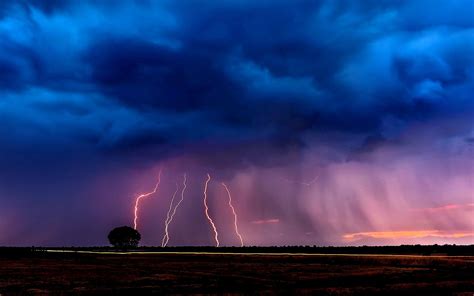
[(206, 212), (235, 214), (166, 240), (139, 198), (168, 216)]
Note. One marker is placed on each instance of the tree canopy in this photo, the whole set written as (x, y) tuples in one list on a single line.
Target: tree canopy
[(124, 237)]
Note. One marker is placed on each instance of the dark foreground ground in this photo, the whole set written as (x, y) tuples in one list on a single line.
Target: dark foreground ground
[(137, 274)]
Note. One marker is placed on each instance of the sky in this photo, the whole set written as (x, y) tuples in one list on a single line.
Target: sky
[(331, 122)]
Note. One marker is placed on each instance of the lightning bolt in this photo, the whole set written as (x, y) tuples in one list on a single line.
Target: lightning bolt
[(165, 241), (303, 183), (139, 198), (206, 212), (168, 216), (235, 214)]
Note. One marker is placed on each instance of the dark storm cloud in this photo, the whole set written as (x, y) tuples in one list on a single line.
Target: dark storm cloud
[(94, 94), (172, 74)]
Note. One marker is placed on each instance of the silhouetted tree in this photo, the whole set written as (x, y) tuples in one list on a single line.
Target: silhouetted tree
[(124, 237)]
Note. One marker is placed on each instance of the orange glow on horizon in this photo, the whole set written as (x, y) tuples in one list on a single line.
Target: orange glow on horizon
[(139, 198), (406, 234), (448, 207), (235, 214)]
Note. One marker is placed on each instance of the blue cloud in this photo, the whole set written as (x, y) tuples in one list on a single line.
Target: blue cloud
[(92, 92), (231, 71)]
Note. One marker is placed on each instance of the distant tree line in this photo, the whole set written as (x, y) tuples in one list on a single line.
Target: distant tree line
[(450, 250)]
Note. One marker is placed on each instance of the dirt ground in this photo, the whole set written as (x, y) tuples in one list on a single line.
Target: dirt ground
[(235, 274)]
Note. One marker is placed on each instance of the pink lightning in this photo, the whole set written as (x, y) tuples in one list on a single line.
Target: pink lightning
[(309, 183), (165, 241), (206, 211), (168, 216), (139, 198), (235, 214)]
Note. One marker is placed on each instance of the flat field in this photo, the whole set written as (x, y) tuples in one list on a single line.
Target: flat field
[(204, 273)]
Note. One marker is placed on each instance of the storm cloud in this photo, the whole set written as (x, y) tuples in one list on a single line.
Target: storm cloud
[(109, 89)]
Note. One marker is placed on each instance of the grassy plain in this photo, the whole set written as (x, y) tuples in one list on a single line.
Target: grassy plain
[(184, 273)]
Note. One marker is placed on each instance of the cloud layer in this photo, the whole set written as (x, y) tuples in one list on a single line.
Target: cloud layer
[(91, 92)]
